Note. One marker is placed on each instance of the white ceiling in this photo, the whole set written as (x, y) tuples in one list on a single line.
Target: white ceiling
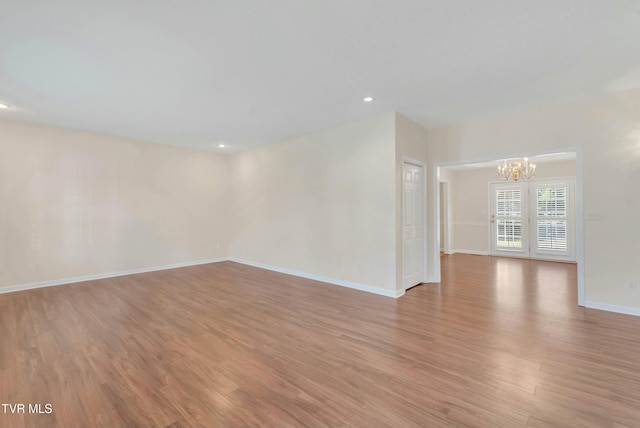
[(197, 73)]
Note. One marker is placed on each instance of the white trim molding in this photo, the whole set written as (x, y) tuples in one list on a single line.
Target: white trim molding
[(72, 280), (473, 252), (334, 281), (612, 308)]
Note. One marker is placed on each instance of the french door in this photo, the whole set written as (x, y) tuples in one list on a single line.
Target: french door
[(533, 219)]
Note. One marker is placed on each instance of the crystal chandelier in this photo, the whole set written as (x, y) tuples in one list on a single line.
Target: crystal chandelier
[(517, 170)]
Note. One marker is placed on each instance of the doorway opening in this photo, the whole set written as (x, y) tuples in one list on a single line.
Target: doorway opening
[(550, 225)]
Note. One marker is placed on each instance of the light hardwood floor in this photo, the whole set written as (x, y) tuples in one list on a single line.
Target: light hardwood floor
[(499, 343)]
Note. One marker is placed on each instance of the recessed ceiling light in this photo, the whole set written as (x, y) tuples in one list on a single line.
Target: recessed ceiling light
[(367, 99), (222, 146), (4, 105)]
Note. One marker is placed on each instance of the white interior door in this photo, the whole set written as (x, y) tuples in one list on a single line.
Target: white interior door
[(509, 219), (413, 228)]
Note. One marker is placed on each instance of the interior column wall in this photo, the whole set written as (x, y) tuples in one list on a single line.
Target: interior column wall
[(411, 144)]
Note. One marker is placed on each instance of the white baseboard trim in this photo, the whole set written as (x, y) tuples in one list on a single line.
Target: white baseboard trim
[(612, 308), (72, 280), (20, 287), (334, 281), (474, 252)]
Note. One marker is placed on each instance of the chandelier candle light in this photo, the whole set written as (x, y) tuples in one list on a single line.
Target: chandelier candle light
[(517, 170)]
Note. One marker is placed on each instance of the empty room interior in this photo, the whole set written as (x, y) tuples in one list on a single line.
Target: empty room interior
[(320, 213)]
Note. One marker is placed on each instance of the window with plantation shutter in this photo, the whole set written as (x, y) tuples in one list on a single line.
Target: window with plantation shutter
[(508, 217), (509, 203), (551, 219)]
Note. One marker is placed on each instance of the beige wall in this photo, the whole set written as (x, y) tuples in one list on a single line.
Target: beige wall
[(321, 204), (469, 203), (327, 204), (606, 133), (77, 204)]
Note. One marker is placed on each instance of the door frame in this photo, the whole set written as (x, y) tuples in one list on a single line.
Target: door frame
[(425, 249), (445, 245)]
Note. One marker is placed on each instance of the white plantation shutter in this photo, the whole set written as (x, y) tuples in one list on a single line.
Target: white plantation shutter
[(509, 203), (551, 218), (552, 235), (552, 201), (509, 233), (509, 218)]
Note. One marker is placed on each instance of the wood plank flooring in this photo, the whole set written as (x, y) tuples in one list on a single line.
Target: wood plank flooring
[(499, 343)]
